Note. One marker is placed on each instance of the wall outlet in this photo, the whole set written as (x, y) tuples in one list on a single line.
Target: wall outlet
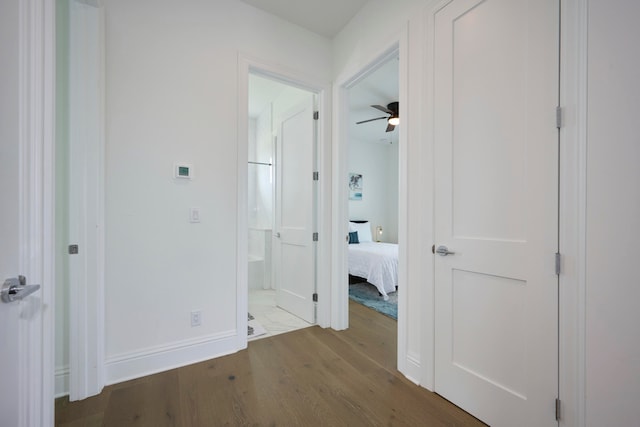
[(196, 318)]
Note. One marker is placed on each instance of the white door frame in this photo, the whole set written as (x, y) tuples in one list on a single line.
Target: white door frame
[(247, 65), (340, 300), (86, 198), (573, 182), (37, 188)]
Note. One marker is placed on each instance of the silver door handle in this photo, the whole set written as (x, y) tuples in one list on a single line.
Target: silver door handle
[(278, 234), (16, 289), (444, 251)]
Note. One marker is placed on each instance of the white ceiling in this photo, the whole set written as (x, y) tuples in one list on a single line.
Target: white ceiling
[(324, 17), (380, 87)]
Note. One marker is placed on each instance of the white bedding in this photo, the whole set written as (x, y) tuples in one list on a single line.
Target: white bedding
[(376, 262)]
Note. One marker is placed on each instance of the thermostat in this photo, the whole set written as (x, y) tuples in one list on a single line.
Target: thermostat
[(183, 171)]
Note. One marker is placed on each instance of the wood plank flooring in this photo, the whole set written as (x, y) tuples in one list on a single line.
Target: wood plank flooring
[(309, 377)]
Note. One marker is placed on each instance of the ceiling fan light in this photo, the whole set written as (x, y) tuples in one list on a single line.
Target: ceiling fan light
[(395, 121)]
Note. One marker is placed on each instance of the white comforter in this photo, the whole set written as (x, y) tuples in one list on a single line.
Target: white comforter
[(376, 262)]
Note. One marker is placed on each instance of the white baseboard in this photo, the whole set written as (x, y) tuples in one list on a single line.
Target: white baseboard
[(412, 368), (149, 361), (61, 382)]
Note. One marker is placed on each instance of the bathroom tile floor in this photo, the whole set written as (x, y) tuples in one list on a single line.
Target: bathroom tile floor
[(262, 306)]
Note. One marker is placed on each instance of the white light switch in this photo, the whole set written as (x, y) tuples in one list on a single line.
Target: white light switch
[(194, 215)]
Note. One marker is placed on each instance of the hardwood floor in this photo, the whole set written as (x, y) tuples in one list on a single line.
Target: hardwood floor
[(309, 377)]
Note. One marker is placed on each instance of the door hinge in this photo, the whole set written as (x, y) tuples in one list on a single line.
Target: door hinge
[(315, 237), (558, 263), (73, 249), (315, 297), (316, 176), (558, 117), (316, 115), (558, 409)]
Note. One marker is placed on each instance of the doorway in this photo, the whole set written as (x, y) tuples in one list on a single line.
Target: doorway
[(281, 207), (373, 195)]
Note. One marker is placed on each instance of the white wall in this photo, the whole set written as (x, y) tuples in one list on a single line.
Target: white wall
[(613, 215), (378, 164), (172, 70)]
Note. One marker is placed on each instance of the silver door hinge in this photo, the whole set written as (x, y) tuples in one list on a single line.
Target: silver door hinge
[(316, 176), (73, 249), (315, 237), (558, 117), (316, 115), (315, 297), (558, 263), (558, 409)]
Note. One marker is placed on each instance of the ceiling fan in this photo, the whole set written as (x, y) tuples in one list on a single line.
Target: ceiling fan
[(392, 120)]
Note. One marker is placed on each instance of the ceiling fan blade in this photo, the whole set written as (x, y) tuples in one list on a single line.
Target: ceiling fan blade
[(371, 120), (390, 127), (381, 108)]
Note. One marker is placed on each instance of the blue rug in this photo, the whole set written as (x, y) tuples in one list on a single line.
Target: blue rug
[(367, 295)]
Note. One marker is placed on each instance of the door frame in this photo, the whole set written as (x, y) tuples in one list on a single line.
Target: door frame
[(247, 65), (37, 185), (86, 301), (408, 362)]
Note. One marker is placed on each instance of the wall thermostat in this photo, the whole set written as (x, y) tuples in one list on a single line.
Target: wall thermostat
[(183, 171)]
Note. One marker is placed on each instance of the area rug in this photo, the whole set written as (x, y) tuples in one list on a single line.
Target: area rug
[(367, 295)]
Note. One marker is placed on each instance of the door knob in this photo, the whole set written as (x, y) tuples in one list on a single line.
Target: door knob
[(16, 288), (278, 234), (444, 251)]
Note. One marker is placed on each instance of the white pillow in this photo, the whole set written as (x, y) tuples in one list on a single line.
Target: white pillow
[(363, 229)]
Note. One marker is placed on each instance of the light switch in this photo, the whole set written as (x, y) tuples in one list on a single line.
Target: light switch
[(194, 215)]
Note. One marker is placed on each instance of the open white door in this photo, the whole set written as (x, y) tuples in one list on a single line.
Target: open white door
[(26, 111), (496, 194), (294, 249)]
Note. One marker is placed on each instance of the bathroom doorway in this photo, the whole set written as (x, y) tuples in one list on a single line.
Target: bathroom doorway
[(281, 207)]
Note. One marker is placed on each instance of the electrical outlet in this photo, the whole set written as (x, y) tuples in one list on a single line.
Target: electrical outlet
[(196, 318)]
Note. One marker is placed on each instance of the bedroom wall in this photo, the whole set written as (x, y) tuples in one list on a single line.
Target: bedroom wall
[(613, 216), (378, 164), (171, 94)]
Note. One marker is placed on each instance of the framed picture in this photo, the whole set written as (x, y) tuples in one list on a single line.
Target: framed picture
[(355, 186)]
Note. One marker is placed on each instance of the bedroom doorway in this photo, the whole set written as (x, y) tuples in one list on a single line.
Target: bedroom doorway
[(373, 193), (281, 207)]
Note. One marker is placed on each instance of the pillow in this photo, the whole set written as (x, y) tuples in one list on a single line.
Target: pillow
[(353, 237), (363, 229)]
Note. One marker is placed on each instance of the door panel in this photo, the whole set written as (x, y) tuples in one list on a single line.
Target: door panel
[(294, 248), (10, 324), (24, 399), (496, 89)]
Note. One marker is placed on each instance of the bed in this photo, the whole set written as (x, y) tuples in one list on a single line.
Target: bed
[(376, 262)]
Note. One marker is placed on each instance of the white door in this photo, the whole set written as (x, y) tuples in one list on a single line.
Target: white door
[(294, 248), (22, 365), (496, 157)]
